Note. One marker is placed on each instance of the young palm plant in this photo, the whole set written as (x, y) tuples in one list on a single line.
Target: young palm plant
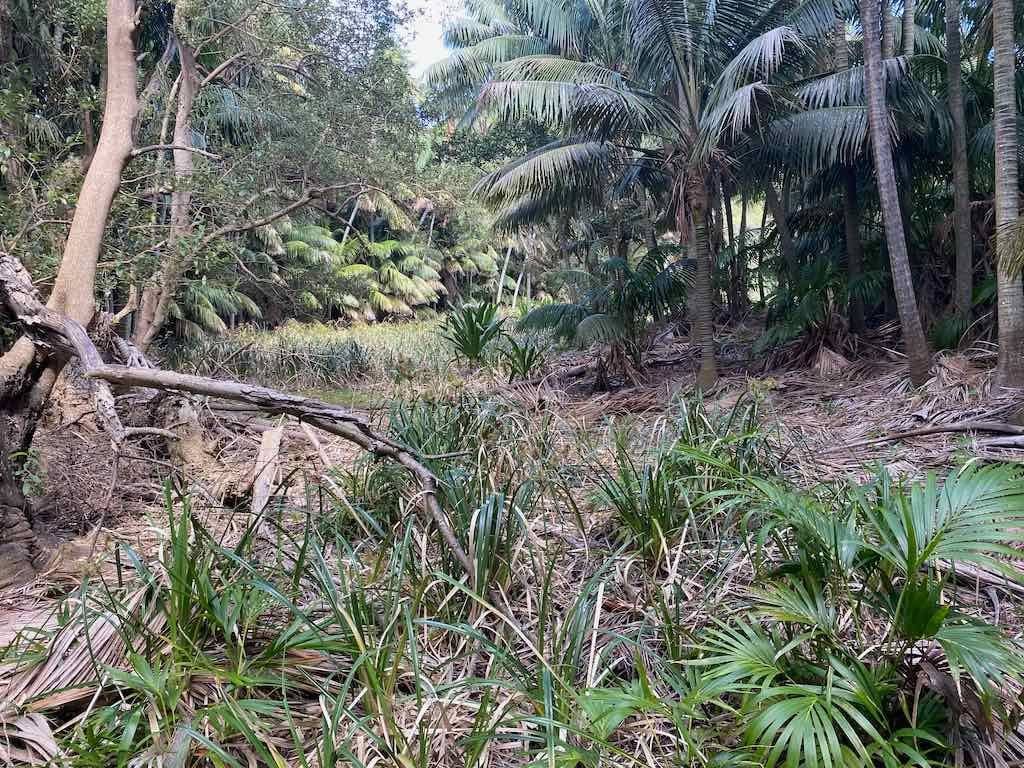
[(868, 656)]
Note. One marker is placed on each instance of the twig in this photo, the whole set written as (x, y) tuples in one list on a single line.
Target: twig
[(182, 147)]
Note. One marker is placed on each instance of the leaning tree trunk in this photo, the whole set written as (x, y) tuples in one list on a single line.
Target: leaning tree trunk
[(702, 329), (1011, 292), (159, 293), (962, 295), (918, 354), (26, 374)]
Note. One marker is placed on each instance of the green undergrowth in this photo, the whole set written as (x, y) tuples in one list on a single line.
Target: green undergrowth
[(674, 600), (313, 356)]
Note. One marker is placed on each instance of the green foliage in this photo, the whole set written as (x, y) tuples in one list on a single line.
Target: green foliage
[(810, 692), (649, 500), (524, 358), (616, 306), (472, 329)]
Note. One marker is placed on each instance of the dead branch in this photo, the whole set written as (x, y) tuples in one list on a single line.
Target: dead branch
[(961, 426), (59, 332), (21, 297), (179, 147)]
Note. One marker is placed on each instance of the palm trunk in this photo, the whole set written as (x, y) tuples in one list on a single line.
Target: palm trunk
[(908, 27), (961, 173), (702, 320), (730, 236), (842, 48), (1011, 288), (158, 295), (854, 249), (786, 244), (918, 354), (888, 31), (25, 377), (741, 255), (851, 207)]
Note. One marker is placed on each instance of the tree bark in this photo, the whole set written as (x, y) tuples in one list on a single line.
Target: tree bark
[(73, 289), (842, 47), (964, 288), (702, 328), (1011, 287), (888, 31), (854, 249), (27, 375), (918, 354), (909, 10), (159, 292), (851, 207), (786, 244)]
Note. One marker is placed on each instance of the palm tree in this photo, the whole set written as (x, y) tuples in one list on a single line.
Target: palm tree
[(961, 176), (645, 90), (1011, 285), (918, 353)]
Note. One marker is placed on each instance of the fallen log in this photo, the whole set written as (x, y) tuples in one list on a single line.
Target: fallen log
[(60, 333)]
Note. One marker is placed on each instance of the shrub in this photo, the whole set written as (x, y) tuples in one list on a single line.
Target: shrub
[(471, 329), (522, 359)]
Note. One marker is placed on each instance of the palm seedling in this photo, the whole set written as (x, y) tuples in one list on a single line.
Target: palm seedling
[(868, 656), (523, 359)]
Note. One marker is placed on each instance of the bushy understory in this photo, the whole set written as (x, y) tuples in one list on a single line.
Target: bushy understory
[(313, 355), (673, 600)]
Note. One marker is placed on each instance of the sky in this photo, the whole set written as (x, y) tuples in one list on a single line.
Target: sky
[(424, 40)]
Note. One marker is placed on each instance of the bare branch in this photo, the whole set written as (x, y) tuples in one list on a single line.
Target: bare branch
[(220, 68), (59, 332), (161, 147)]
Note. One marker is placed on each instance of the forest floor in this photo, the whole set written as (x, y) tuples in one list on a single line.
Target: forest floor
[(836, 421)]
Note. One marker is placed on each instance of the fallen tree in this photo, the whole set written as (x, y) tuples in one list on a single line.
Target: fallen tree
[(63, 337)]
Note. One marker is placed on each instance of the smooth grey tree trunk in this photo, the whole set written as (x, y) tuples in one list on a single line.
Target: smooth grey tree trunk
[(964, 285), (1011, 287)]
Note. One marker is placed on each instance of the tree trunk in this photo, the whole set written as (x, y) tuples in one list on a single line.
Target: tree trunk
[(732, 290), (702, 328), (918, 354), (851, 208), (786, 245), (1011, 291), (159, 293), (501, 277), (888, 31), (908, 27), (842, 47), (962, 295), (26, 377), (741, 255), (854, 249)]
